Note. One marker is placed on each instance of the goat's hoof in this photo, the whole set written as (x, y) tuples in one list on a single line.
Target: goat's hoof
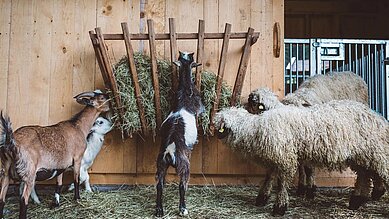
[(54, 204), (183, 212), (356, 201), (310, 192), (159, 212), (300, 190), (279, 210), (376, 194), (261, 200)]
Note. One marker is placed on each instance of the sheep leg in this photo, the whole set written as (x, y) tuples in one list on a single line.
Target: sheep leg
[(310, 182), (162, 167), (57, 192), (301, 188), (282, 199), (264, 192), (183, 172), (378, 188), (360, 194), (28, 186)]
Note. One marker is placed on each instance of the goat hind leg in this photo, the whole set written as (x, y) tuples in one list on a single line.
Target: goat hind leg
[(4, 188), (28, 186), (76, 169), (162, 167), (183, 172)]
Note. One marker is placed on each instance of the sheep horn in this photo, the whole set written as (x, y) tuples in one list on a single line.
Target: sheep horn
[(85, 94)]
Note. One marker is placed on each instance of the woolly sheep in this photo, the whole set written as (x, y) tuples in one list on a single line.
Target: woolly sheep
[(315, 90), (333, 135)]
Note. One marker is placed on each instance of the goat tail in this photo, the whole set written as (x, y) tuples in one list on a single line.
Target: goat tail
[(7, 141)]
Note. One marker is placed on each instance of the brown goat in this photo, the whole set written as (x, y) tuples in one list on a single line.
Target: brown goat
[(42, 152)]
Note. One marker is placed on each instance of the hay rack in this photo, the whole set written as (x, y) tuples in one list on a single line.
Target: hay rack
[(101, 51)]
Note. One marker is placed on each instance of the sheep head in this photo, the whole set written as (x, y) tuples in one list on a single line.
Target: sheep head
[(262, 99), (96, 99)]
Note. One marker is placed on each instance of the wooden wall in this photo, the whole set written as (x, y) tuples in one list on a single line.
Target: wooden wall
[(46, 58), (355, 19)]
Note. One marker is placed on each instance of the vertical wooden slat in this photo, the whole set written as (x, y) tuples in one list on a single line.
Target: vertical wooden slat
[(220, 72), (5, 25), (200, 53), (242, 67), (173, 53), (134, 74), (154, 72), (110, 76), (99, 58)]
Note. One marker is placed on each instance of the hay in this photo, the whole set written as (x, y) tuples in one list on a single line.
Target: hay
[(131, 122), (202, 202)]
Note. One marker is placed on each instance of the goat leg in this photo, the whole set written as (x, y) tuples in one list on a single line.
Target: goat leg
[(162, 167), (4, 188), (183, 172), (28, 186), (77, 166), (57, 191)]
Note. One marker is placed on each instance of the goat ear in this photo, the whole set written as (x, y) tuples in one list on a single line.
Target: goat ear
[(177, 63), (83, 101), (194, 65)]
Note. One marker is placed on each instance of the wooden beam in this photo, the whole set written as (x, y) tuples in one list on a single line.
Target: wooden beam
[(110, 76), (99, 58), (220, 74), (250, 40), (154, 72), (173, 53), (180, 36), (134, 74), (200, 53)]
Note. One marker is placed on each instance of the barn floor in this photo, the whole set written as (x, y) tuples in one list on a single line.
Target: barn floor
[(202, 202)]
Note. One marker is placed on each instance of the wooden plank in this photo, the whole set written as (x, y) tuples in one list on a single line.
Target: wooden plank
[(62, 50), (29, 62), (200, 53), (242, 68), (173, 53), (134, 74), (99, 58), (220, 73), (278, 63), (154, 73), (180, 36), (111, 76), (84, 67), (5, 25)]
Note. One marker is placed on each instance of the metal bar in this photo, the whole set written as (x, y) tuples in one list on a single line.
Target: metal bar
[(368, 78), (154, 73), (363, 62), (291, 67), (356, 60), (382, 79), (181, 36), (134, 75), (304, 73), (250, 40), (313, 58), (350, 58), (375, 78), (297, 65)]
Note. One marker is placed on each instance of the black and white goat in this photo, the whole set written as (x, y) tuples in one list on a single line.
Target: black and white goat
[(41, 152), (179, 132)]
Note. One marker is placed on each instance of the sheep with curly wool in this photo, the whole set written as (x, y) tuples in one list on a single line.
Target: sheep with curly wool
[(333, 135), (317, 89)]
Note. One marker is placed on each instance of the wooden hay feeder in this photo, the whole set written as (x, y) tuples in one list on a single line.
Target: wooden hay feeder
[(106, 67)]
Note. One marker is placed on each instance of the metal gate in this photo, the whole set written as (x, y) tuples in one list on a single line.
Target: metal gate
[(367, 58)]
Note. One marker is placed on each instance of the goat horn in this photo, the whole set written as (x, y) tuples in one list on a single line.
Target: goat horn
[(84, 94)]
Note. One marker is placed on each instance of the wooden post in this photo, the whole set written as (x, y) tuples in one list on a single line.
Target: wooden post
[(220, 74), (250, 40), (154, 73), (134, 74), (200, 53), (110, 76), (173, 53), (99, 58)]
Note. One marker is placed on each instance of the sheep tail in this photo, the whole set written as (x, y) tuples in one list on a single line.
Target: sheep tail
[(7, 141)]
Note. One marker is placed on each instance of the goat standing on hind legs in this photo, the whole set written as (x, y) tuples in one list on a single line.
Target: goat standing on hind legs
[(179, 132), (33, 152)]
